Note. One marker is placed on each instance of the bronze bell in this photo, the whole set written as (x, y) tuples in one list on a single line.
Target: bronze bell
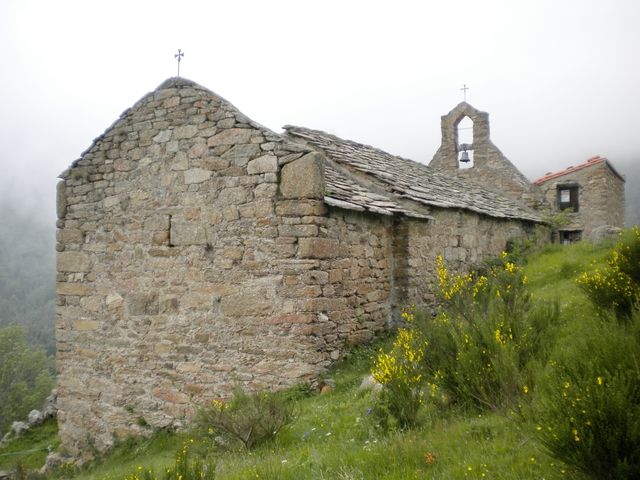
[(465, 157)]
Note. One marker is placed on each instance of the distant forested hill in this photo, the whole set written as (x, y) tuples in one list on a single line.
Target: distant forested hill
[(631, 170), (27, 274)]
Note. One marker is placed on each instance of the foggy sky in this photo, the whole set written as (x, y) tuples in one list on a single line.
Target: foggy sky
[(560, 79)]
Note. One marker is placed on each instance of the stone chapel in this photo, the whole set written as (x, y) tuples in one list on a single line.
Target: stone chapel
[(198, 250)]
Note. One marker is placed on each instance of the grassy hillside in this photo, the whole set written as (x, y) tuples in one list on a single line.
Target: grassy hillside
[(335, 437)]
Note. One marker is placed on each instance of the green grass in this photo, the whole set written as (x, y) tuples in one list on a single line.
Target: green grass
[(333, 436), (30, 450), (552, 274)]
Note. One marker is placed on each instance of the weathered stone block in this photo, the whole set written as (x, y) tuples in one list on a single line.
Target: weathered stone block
[(196, 175), (61, 199), (143, 304), (259, 209), (303, 178), (231, 136), (240, 155), (298, 230), (263, 164), (70, 235), (156, 222), (319, 248), (248, 303), (85, 325), (67, 288), (163, 137), (233, 196), (187, 233), (73, 262), (301, 207), (122, 165), (170, 395), (180, 162), (185, 131)]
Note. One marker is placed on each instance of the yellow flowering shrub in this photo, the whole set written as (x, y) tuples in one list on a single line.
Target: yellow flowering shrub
[(488, 331), (400, 372), (617, 286), (586, 411)]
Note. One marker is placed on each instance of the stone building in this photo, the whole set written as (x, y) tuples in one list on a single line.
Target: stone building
[(198, 250), (594, 190), (594, 194)]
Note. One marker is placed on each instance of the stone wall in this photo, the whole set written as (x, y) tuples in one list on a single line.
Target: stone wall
[(601, 197), (177, 230), (462, 238)]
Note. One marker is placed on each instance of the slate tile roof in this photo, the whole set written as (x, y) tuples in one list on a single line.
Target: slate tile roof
[(345, 192), (592, 161), (401, 179)]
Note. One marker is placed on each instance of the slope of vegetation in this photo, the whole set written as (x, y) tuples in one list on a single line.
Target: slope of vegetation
[(521, 428)]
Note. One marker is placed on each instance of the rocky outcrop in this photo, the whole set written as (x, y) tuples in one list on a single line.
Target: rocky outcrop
[(34, 418)]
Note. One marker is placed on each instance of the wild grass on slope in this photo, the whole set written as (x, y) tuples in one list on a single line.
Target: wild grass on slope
[(31, 450)]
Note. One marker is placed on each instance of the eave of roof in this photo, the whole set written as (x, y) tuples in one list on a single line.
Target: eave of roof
[(589, 163)]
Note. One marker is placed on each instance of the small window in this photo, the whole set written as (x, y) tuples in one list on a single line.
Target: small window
[(569, 236), (568, 197)]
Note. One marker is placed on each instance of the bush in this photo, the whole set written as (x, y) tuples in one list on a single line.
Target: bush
[(247, 420), (587, 409), (399, 371), (617, 287), (26, 376), (482, 345)]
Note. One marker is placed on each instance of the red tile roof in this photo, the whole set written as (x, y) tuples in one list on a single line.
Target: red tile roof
[(592, 161)]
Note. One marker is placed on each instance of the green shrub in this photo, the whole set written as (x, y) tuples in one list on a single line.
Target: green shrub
[(617, 287), (399, 371), (482, 345), (586, 411), (247, 420), (26, 376), (183, 468)]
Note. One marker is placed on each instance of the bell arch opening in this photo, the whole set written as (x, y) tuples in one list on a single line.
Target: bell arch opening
[(464, 142)]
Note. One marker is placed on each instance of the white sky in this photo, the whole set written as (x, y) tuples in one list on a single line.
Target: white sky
[(559, 78)]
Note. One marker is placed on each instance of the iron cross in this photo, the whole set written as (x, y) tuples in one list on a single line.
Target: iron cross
[(179, 56), (464, 90)]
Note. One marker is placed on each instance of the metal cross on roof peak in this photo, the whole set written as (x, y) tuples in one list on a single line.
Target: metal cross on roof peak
[(464, 91), (179, 56)]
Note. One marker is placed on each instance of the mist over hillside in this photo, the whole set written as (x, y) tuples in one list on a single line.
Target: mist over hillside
[(631, 171), (27, 272)]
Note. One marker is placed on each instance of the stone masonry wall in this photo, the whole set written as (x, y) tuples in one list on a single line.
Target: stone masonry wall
[(179, 232), (601, 198), (462, 238)]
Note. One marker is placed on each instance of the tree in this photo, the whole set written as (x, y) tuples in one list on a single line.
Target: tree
[(26, 376)]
